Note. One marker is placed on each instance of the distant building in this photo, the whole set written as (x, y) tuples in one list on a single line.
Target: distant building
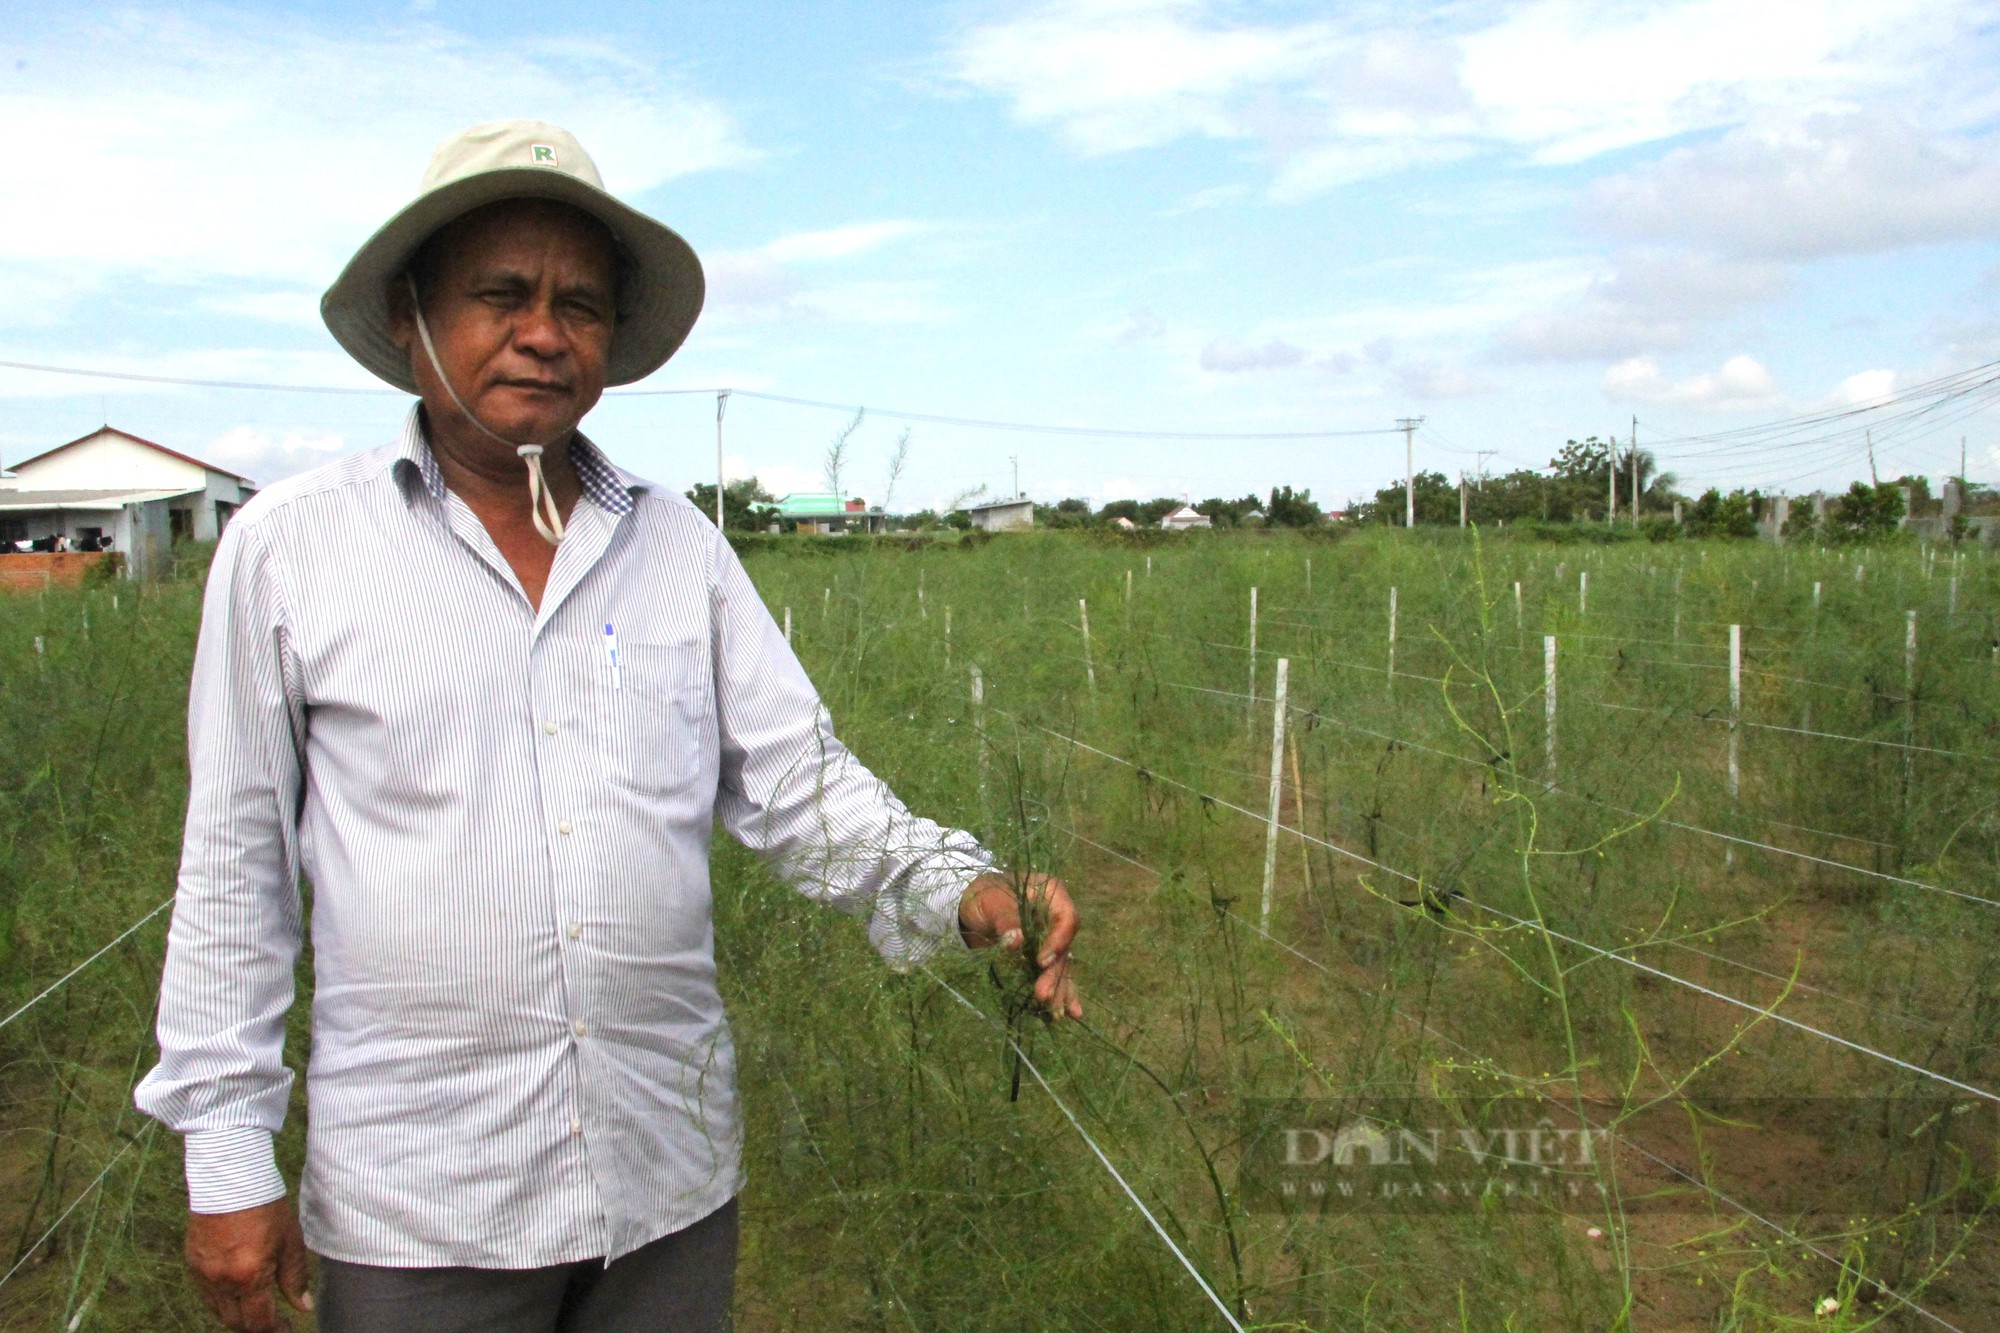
[(1184, 517), (1015, 515), (111, 484), (1124, 523), (829, 514)]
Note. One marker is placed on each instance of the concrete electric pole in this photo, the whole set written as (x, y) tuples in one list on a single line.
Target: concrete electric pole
[(1409, 428), (721, 406)]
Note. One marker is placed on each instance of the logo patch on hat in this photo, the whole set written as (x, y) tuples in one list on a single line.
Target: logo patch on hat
[(542, 155)]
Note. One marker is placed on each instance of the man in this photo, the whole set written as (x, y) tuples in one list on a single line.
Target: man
[(489, 693)]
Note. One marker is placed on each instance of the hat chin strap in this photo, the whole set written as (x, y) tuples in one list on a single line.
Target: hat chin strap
[(541, 503)]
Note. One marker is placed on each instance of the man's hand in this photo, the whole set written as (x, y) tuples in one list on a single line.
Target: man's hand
[(990, 913), (236, 1258)]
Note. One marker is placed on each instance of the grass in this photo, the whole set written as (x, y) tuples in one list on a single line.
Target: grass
[(904, 1173)]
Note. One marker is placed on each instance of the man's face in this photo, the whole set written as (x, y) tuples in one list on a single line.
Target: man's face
[(521, 302)]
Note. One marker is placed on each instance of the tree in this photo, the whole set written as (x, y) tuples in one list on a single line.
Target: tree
[(1719, 515), (898, 460), (836, 451), (1865, 512), (1070, 513), (746, 505), (1292, 509), (1437, 502)]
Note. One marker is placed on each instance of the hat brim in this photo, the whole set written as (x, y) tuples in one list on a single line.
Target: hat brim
[(658, 304)]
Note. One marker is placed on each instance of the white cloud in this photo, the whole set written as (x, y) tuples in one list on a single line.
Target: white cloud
[(1229, 357), (1829, 184), (1742, 384), (267, 456), (281, 307), (1430, 380), (1329, 101), (780, 479), (194, 152), (1865, 389), (1652, 301), (839, 242), (760, 284)]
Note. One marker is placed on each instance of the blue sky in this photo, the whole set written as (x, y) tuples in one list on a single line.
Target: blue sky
[(1522, 222)]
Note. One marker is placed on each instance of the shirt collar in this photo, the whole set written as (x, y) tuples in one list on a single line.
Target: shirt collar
[(604, 485)]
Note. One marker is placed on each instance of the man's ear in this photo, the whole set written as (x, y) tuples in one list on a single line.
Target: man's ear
[(402, 327)]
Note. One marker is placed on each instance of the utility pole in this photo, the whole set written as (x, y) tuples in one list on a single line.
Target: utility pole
[(1611, 468), (1479, 457), (1409, 427), (1461, 499), (721, 406), (1015, 459), (1635, 472), (1873, 478)]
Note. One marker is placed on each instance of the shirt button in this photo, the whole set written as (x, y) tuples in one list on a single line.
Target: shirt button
[(549, 727), (576, 930), (581, 1028), (575, 1125), (563, 827)]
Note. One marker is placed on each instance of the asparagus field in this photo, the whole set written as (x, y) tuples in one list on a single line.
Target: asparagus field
[(1478, 934)]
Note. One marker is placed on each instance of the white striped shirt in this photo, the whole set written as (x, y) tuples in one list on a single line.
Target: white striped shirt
[(519, 1055)]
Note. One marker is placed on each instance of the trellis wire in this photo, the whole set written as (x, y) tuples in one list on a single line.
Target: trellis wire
[(1543, 927), (61, 981), (1069, 1115), (1424, 1027)]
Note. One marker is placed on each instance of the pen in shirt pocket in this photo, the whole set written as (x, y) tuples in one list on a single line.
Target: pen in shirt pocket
[(611, 655)]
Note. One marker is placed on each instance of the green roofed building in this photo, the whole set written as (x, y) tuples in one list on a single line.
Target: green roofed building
[(828, 513)]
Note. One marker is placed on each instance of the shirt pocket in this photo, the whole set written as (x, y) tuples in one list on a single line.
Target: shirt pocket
[(658, 717)]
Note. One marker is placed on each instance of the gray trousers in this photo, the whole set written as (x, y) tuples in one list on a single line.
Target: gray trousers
[(681, 1283)]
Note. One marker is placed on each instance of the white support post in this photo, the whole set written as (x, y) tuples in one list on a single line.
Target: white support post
[(1128, 587), (1583, 593), (1677, 606), (1950, 601), (947, 636), (979, 729), (923, 612), (1859, 569), (1253, 652), (1815, 594), (788, 624), (1517, 606), (825, 602), (1149, 566), (1309, 578), (1909, 702), (1089, 668), (1549, 697), (1277, 783), (1735, 709), (1392, 640)]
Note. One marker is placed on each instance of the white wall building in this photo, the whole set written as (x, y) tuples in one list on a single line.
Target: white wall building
[(1016, 515), (111, 483), (1183, 518)]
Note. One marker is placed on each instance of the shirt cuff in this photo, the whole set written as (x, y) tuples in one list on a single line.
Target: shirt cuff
[(937, 912), (229, 1170)]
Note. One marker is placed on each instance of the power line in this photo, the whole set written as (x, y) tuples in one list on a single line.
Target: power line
[(897, 414)]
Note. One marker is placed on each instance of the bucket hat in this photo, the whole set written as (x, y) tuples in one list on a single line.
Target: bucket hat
[(660, 295)]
